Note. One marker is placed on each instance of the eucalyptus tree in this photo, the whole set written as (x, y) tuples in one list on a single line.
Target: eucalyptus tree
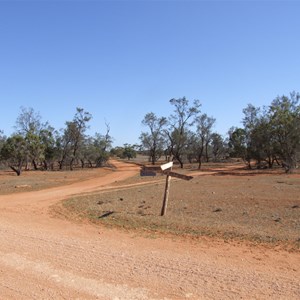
[(63, 146), (2, 138), (128, 151), (103, 145), (259, 139), (252, 134), (252, 142), (218, 146), (77, 130), (88, 153), (263, 142), (238, 144), (154, 140), (28, 121), (117, 151), (204, 125), (271, 134), (29, 125), (2, 142), (14, 152), (49, 137), (72, 140), (179, 123), (284, 115)]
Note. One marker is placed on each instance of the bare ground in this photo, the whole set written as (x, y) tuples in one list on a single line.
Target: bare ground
[(43, 257), (258, 207)]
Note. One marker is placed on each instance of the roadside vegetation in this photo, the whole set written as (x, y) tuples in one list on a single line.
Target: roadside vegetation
[(269, 136)]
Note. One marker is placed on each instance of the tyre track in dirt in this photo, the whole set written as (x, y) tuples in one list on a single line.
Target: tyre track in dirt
[(45, 258)]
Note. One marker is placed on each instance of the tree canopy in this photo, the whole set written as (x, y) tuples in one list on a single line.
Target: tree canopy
[(269, 135), (40, 146)]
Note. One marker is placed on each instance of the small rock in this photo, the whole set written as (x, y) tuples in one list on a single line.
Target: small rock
[(22, 186), (295, 206), (217, 210)]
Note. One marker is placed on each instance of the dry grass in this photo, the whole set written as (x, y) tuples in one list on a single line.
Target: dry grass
[(37, 180), (248, 205), (222, 200)]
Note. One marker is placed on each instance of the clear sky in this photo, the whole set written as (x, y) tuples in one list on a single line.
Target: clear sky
[(122, 59)]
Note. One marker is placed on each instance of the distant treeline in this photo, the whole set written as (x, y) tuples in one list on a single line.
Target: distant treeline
[(270, 135)]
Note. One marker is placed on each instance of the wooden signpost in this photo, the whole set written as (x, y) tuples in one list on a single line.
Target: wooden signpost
[(166, 169)]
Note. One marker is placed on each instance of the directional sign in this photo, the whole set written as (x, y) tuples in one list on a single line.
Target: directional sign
[(147, 172), (152, 168), (181, 176), (167, 166), (166, 170)]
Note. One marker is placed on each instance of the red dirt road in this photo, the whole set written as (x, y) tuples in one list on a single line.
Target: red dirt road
[(47, 258)]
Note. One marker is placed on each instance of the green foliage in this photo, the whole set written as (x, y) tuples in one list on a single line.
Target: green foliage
[(284, 115), (2, 139), (218, 146), (203, 137), (268, 135), (117, 151), (238, 143), (39, 145), (154, 140), (14, 151), (271, 134), (129, 151), (72, 141), (179, 123), (97, 149)]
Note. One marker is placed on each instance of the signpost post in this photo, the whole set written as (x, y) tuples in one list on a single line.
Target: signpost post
[(165, 169)]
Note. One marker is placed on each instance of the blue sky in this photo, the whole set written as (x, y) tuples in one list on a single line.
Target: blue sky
[(122, 59)]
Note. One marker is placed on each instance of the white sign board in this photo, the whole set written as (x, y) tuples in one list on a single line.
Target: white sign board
[(167, 166)]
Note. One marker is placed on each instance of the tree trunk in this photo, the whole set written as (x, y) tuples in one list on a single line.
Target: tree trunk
[(82, 163), (199, 164), (199, 157), (206, 153), (270, 162), (276, 159), (180, 162), (71, 164), (290, 166), (34, 165), (17, 170), (27, 165)]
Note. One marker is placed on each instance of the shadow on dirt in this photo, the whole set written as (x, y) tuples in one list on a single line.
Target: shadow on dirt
[(108, 213)]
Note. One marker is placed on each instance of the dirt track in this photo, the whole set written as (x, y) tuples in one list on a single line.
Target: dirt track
[(45, 258)]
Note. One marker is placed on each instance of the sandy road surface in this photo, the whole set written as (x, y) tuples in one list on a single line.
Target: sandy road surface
[(46, 258)]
